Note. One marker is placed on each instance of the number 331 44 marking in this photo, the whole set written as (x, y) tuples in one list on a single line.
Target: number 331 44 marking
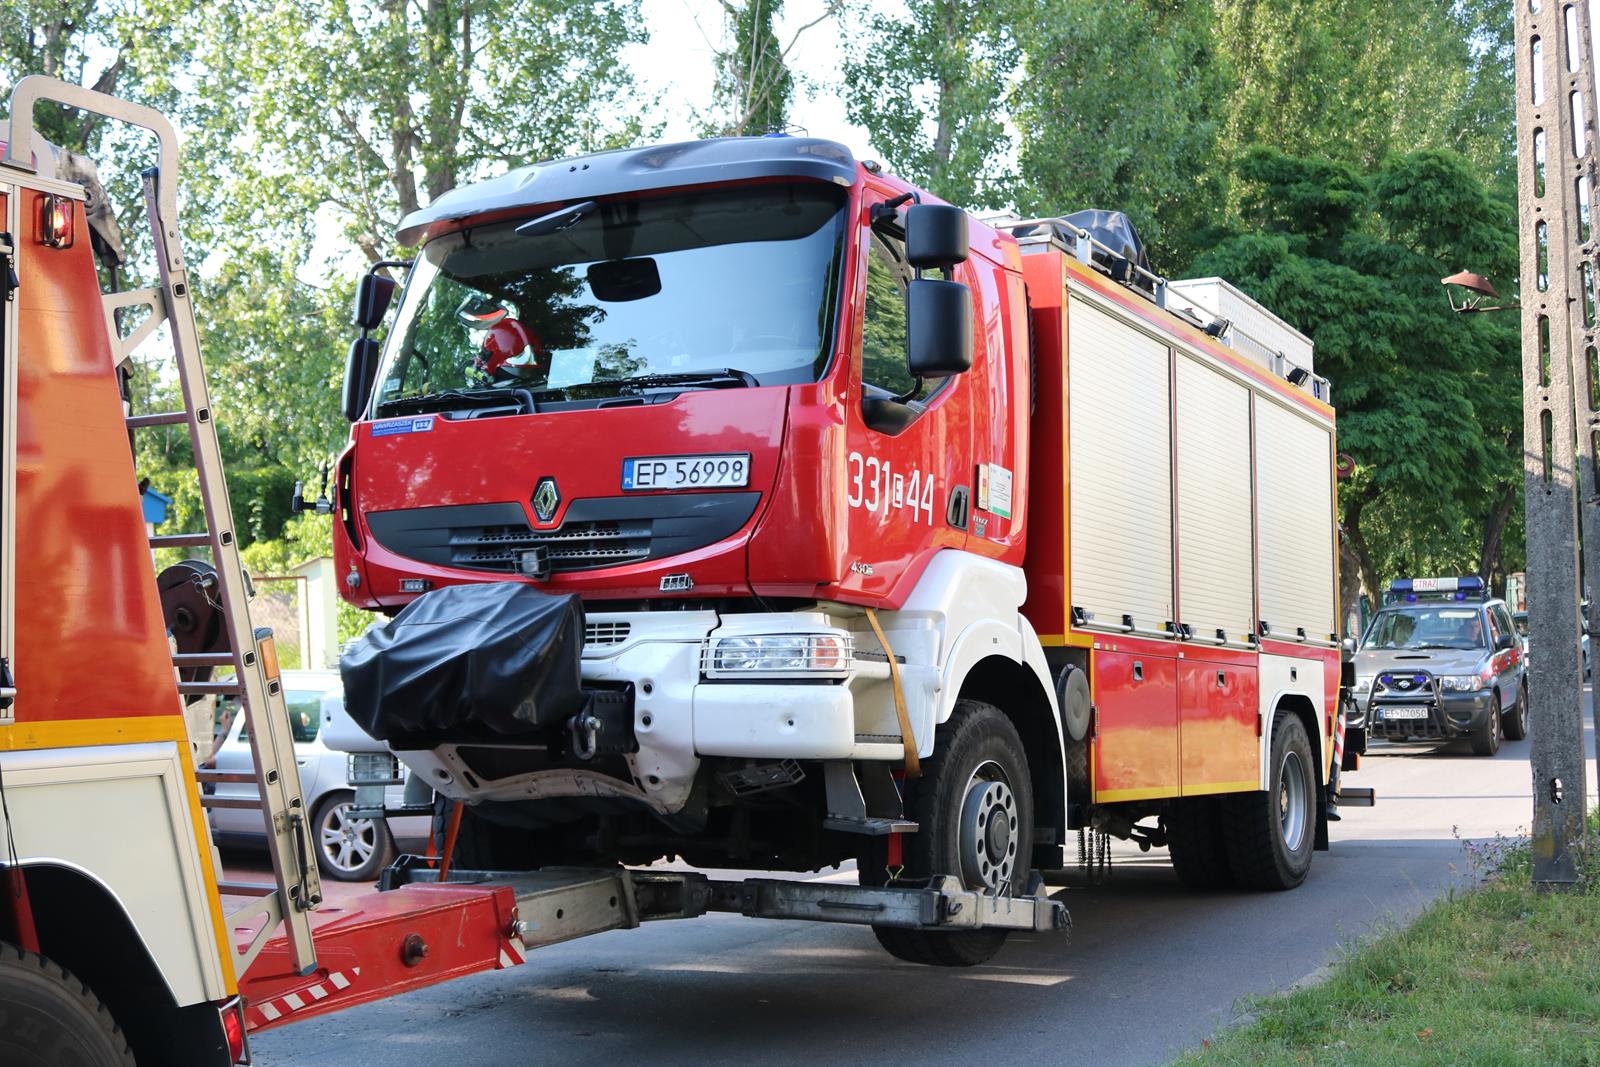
[(875, 486)]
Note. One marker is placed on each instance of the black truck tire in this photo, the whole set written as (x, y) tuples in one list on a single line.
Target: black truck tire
[(482, 844), (48, 1017), (1195, 843), (978, 766), (1486, 737), (1270, 835)]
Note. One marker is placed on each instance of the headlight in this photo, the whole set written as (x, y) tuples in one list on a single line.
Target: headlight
[(1364, 682), (779, 654), (1461, 683)]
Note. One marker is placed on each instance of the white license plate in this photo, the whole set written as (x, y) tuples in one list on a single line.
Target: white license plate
[(1403, 713), (686, 472)]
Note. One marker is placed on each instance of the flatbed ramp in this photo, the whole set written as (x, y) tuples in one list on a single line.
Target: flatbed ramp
[(416, 931)]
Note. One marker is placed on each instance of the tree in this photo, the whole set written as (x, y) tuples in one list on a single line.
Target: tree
[(928, 82), (1427, 399), (754, 87)]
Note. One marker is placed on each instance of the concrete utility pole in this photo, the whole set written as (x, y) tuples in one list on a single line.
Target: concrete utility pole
[(1556, 148)]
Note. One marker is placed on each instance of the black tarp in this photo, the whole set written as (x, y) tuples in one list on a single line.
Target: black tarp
[(468, 662), (1112, 229)]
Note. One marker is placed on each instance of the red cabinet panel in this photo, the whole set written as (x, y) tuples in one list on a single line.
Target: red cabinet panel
[(1136, 746), (1218, 705)]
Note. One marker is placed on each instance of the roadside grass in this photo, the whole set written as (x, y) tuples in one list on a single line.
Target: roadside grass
[(1493, 975)]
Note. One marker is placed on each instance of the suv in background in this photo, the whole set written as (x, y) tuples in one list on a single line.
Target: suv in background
[(1442, 660)]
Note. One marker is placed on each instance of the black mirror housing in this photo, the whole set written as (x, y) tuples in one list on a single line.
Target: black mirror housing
[(936, 236), (1505, 641), (359, 368), (372, 300), (938, 328)]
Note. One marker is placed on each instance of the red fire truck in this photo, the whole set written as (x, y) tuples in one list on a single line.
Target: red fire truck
[(895, 536), (120, 940)]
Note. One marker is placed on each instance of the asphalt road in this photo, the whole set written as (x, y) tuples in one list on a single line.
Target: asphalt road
[(1151, 968)]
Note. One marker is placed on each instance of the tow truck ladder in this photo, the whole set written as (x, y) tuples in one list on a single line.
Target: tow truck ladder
[(250, 652)]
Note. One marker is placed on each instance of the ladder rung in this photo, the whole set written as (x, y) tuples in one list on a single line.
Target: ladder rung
[(246, 889), (231, 777), (207, 689), (232, 803), (202, 659), (194, 540), (160, 418)]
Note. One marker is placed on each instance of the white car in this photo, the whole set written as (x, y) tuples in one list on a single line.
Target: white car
[(348, 849)]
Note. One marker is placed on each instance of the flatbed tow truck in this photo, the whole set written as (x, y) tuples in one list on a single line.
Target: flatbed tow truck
[(115, 946)]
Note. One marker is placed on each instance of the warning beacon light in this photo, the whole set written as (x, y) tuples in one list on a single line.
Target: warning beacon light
[(1411, 590)]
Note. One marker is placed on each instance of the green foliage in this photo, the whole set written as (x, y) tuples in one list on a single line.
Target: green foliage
[(925, 80), (1500, 974), (754, 87), (1429, 403), (1117, 108)]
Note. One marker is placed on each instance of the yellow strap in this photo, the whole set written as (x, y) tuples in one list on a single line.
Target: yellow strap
[(907, 739)]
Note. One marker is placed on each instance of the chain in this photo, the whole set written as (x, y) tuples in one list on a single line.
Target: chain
[(1094, 854)]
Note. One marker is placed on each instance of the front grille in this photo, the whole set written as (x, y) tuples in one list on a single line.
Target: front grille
[(606, 633), (595, 533), (576, 546)]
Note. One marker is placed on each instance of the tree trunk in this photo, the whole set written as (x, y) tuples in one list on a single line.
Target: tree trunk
[(1353, 547), (1494, 532)]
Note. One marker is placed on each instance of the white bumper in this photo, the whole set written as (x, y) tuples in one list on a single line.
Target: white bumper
[(679, 716)]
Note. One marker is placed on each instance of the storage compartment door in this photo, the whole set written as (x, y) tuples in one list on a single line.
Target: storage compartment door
[(1136, 730), (1120, 491), (1216, 574), (1294, 523), (1218, 706)]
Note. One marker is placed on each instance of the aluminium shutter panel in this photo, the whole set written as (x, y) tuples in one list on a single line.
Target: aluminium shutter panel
[(1216, 579), (1120, 482), (1294, 522)]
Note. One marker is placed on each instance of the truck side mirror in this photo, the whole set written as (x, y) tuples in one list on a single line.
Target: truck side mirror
[(372, 300), (359, 368), (936, 236), (938, 328)]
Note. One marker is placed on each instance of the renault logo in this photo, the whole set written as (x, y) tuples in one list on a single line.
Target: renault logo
[(546, 498)]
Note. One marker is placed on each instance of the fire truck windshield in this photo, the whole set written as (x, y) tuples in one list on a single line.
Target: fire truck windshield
[(655, 289)]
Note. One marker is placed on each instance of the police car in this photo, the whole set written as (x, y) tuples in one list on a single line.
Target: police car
[(1442, 660)]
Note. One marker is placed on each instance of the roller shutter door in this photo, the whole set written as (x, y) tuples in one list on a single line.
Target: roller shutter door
[(1120, 490), (1294, 522), (1216, 586)]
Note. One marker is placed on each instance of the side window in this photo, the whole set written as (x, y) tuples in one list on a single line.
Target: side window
[(1496, 627), (305, 714), (1503, 623), (883, 328)]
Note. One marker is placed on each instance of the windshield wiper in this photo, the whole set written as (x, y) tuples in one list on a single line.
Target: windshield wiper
[(449, 399), (708, 378)]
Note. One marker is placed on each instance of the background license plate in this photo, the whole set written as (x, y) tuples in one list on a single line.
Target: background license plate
[(1403, 713), (686, 472)]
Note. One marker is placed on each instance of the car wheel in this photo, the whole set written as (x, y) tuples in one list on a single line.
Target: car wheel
[(1270, 835), (349, 849), (1515, 722), (1486, 738), (974, 810)]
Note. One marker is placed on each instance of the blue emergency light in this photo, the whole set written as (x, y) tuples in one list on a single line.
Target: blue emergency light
[(1411, 590)]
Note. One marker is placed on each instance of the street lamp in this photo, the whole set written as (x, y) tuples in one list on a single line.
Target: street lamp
[(1473, 283)]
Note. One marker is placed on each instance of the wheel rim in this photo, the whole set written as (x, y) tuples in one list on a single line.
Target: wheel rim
[(347, 844), (1293, 801), (988, 822)]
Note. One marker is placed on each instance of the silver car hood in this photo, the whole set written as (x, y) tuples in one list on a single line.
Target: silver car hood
[(1431, 660)]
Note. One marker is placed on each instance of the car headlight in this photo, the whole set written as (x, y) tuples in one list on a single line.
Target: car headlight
[(778, 654), (1364, 682), (1461, 683)]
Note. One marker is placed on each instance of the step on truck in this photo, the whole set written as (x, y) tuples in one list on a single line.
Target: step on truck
[(120, 939), (739, 502)]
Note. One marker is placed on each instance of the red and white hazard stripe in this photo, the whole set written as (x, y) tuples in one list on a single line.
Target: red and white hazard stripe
[(275, 1008)]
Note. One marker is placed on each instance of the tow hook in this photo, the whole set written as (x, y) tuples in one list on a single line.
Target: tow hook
[(585, 730)]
